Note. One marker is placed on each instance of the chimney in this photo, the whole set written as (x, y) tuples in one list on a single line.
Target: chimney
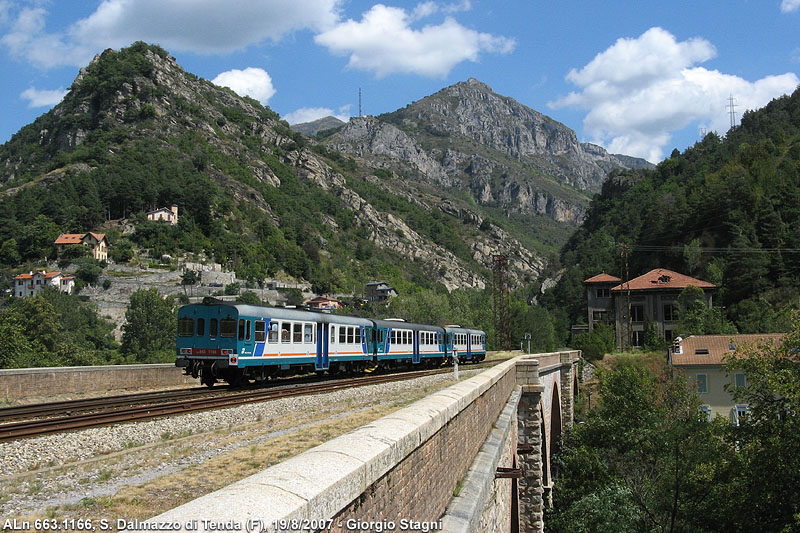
[(174, 209)]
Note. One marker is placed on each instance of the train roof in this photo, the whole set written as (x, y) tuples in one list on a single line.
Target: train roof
[(287, 314), (402, 324), (461, 329)]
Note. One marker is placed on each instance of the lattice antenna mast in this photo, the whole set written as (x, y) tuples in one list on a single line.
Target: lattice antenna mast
[(359, 102), (732, 107), (500, 307)]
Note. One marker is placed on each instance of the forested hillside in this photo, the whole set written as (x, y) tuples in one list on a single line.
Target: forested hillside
[(726, 210)]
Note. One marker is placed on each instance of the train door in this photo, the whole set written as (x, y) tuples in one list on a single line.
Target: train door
[(321, 361), (415, 347), (245, 330), (469, 346)]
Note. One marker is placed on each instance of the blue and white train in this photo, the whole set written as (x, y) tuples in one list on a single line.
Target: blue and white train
[(237, 342)]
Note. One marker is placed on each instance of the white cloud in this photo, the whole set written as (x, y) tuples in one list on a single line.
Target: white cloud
[(42, 98), (787, 6), (309, 114), (201, 26), (384, 42), (252, 82), (640, 90)]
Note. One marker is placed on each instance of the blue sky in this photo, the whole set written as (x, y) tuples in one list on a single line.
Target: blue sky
[(638, 77)]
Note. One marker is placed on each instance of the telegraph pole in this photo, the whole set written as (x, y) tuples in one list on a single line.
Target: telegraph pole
[(625, 339)]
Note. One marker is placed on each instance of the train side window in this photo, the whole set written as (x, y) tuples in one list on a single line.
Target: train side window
[(227, 327), (201, 327), (212, 327), (186, 327), (286, 335), (351, 335), (358, 335), (374, 336), (247, 330), (297, 333), (273, 332), (342, 334), (393, 337), (308, 333), (333, 334), (261, 330), (241, 329)]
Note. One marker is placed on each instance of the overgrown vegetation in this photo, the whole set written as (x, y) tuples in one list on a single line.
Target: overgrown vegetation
[(645, 458)]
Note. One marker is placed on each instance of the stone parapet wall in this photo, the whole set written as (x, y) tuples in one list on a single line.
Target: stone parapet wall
[(26, 383), (405, 466)]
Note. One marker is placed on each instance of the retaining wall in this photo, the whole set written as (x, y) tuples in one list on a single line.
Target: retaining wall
[(25, 383)]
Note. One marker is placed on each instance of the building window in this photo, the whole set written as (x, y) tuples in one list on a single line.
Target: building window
[(702, 383), (603, 292), (707, 410), (637, 338), (600, 316), (637, 313), (669, 312), (739, 380), (668, 335)]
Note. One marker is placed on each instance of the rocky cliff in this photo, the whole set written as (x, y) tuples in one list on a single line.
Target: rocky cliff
[(504, 153)]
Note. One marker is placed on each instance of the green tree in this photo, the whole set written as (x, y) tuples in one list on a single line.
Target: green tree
[(595, 344), (641, 460), (763, 493), (249, 297), (148, 334)]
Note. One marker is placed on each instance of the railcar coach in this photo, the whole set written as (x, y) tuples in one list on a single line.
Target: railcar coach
[(238, 343)]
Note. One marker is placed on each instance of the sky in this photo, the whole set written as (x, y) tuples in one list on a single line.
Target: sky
[(637, 77)]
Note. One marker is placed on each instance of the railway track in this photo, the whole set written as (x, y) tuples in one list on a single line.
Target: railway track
[(96, 412)]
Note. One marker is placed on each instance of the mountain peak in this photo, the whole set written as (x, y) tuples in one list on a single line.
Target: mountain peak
[(473, 82)]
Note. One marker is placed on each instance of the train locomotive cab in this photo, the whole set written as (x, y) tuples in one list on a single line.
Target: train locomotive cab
[(207, 342)]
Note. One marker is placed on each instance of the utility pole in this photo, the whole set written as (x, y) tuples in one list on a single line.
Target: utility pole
[(626, 338)]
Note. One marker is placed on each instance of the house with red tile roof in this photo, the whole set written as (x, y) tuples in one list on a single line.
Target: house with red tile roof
[(632, 305), (700, 359), (598, 294), (97, 242), (323, 302), (32, 283)]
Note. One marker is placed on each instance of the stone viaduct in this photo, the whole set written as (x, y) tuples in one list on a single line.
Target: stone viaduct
[(473, 457)]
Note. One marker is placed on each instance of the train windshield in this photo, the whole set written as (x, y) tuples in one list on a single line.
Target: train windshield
[(227, 327), (186, 327)]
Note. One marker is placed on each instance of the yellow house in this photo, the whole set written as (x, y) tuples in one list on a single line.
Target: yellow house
[(700, 358), (97, 242)]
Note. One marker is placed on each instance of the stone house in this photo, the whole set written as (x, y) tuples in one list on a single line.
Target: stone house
[(97, 242), (379, 291), (31, 284), (651, 298), (700, 359), (168, 215)]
